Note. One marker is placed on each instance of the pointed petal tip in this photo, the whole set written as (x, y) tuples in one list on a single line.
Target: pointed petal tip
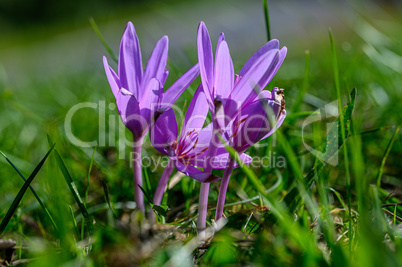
[(202, 28), (129, 32), (129, 25), (275, 42), (222, 36), (205, 58), (129, 28), (165, 39), (283, 51)]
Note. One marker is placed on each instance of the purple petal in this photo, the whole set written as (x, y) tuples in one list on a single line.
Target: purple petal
[(224, 72), (259, 71), (246, 159), (252, 131), (205, 59), (232, 108), (156, 64), (220, 39), (257, 124), (124, 97), (171, 95), (204, 138), (221, 161), (273, 44), (130, 62), (264, 94), (164, 77), (282, 55), (151, 99), (255, 77), (278, 124), (273, 68), (129, 112), (195, 173), (112, 78), (196, 113), (164, 133)]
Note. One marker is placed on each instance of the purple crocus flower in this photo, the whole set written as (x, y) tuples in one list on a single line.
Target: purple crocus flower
[(139, 93), (189, 150), (226, 92), (229, 95), (253, 123)]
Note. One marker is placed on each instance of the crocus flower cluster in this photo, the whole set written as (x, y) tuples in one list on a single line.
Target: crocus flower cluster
[(242, 112)]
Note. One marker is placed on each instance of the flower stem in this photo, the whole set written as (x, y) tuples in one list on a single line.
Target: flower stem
[(160, 190), (137, 172), (223, 189), (203, 206), (204, 191)]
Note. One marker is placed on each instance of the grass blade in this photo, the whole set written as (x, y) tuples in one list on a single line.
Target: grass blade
[(147, 195), (106, 191), (21, 193), (301, 114), (293, 230), (384, 159), (339, 198), (70, 183), (74, 221), (334, 139), (266, 14), (146, 176), (88, 176), (103, 41), (251, 175), (332, 143), (271, 189), (32, 190), (303, 90), (87, 190), (343, 132)]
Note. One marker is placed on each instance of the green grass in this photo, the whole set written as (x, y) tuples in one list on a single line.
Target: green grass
[(309, 213)]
